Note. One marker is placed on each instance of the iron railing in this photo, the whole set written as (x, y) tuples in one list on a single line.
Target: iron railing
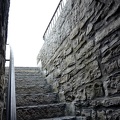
[(11, 97), (54, 18)]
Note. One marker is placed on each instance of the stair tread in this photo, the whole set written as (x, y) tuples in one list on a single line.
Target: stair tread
[(39, 94), (46, 105), (36, 99), (33, 89), (61, 118)]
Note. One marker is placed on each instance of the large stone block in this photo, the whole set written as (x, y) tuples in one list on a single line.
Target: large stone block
[(81, 94), (70, 60), (112, 85), (113, 114), (111, 67), (57, 73), (33, 89), (64, 79), (107, 30), (39, 112), (88, 57), (109, 102), (68, 70), (69, 51), (86, 113), (83, 51), (36, 99), (94, 90), (75, 43), (74, 33), (101, 115)]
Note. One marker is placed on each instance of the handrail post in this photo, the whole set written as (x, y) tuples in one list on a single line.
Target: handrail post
[(11, 97)]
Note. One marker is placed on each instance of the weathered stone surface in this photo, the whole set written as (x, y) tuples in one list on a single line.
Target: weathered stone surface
[(68, 70), (74, 32), (39, 112), (68, 51), (75, 43), (83, 51), (101, 115), (112, 85), (95, 90), (81, 118), (31, 81), (89, 28), (36, 99), (119, 62), (88, 56), (50, 79), (81, 94), (115, 101), (107, 30), (70, 60), (86, 112), (57, 73), (33, 89), (62, 118), (55, 86), (111, 67), (64, 79)]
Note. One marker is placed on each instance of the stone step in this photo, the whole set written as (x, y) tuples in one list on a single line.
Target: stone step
[(36, 99), (30, 78), (40, 111), (21, 71), (82, 118), (62, 118), (33, 89), (34, 77), (23, 83)]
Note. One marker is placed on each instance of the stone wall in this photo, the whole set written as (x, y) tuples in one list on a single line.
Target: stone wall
[(4, 8), (81, 58)]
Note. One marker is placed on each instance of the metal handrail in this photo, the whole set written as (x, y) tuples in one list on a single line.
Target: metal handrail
[(54, 18), (11, 97)]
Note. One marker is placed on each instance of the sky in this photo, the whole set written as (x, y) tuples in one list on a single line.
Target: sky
[(28, 20)]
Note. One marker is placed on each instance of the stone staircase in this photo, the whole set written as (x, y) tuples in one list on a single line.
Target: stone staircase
[(35, 99)]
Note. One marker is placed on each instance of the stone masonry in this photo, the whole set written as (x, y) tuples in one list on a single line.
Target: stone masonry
[(4, 9), (81, 58), (35, 99)]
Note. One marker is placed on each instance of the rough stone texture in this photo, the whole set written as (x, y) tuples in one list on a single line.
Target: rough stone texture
[(81, 57), (4, 10), (62, 118), (33, 89), (38, 112), (36, 99)]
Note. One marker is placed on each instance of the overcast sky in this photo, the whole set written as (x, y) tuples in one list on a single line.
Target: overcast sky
[(28, 20)]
